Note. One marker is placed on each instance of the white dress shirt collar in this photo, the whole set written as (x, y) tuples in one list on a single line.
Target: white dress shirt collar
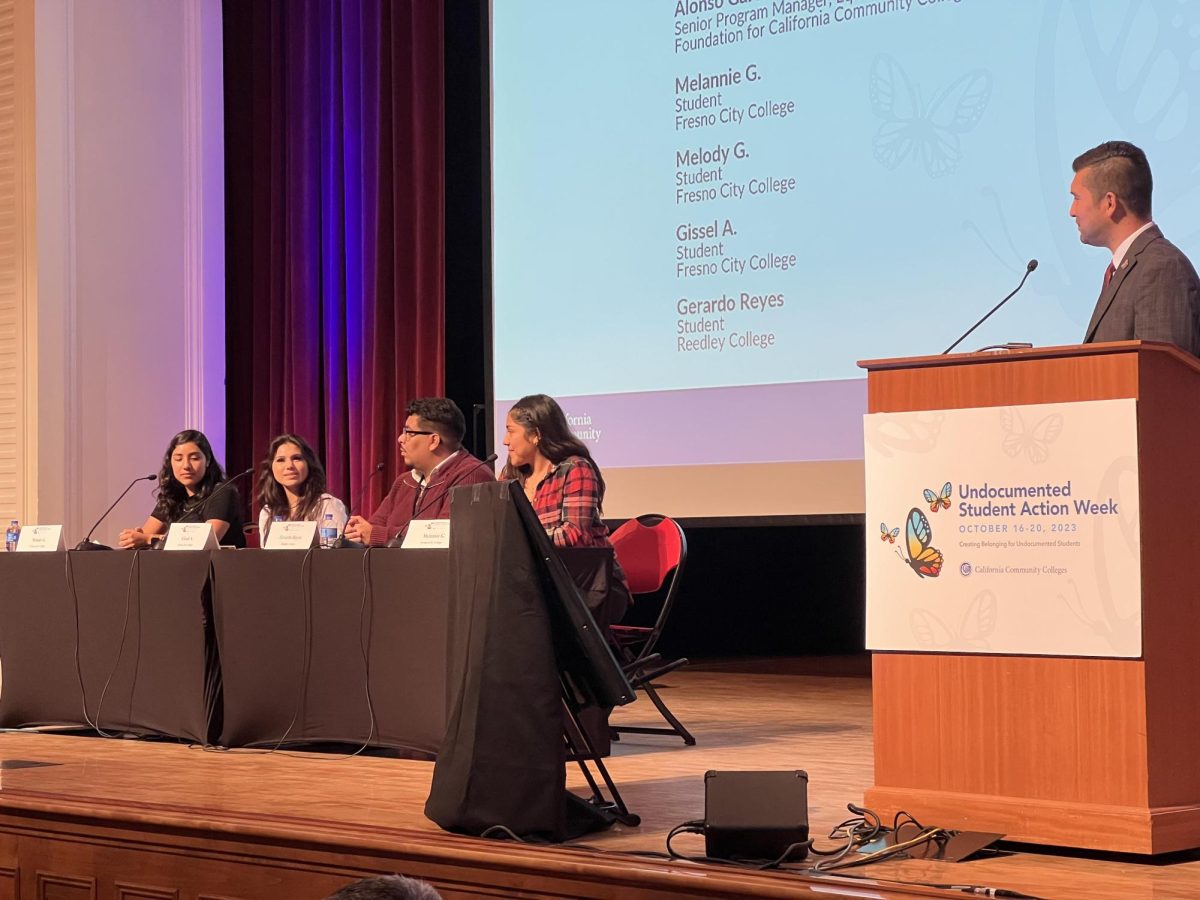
[(1123, 247)]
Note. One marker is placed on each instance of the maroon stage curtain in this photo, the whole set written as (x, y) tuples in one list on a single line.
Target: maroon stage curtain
[(334, 224)]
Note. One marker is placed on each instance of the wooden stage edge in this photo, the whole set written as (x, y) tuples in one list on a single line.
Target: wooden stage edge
[(135, 819), (1080, 825)]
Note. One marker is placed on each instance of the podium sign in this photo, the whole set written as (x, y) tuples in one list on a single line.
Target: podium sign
[(1007, 529), (1093, 745)]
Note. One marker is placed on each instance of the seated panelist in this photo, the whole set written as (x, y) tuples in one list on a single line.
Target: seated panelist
[(564, 485), (291, 484), (431, 444), (187, 491), (557, 471)]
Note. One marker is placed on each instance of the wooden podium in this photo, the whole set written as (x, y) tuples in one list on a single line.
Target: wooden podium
[(1075, 752)]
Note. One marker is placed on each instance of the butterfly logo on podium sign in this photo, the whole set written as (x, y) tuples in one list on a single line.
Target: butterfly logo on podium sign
[(888, 535), (1033, 441), (978, 624), (925, 560), (940, 500), (915, 433)]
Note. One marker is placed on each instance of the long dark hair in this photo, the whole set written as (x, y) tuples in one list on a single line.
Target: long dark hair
[(541, 415), (270, 492), (172, 495)]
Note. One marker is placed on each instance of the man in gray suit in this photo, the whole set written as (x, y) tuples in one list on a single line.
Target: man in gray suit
[(1150, 290)]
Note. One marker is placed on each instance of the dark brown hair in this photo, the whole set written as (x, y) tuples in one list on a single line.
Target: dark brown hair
[(270, 492), (1120, 168), (172, 495), (541, 415), (443, 415)]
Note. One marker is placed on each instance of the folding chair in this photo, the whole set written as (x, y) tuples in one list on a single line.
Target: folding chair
[(652, 550)]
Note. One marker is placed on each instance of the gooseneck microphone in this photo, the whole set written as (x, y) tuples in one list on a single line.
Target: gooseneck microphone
[(343, 542), (1029, 267), (87, 543), (398, 540), (479, 463), (357, 507), (220, 487)]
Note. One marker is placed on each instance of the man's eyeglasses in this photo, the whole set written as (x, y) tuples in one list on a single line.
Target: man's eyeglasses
[(408, 432)]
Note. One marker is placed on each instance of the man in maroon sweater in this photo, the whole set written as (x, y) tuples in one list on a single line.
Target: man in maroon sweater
[(431, 444)]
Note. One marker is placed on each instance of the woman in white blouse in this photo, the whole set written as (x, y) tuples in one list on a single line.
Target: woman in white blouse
[(291, 485)]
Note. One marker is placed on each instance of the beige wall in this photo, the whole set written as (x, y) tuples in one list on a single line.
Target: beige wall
[(18, 420), (129, 301)]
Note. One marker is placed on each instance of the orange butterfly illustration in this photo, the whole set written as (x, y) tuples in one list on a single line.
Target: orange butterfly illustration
[(926, 561), (942, 499), (886, 535)]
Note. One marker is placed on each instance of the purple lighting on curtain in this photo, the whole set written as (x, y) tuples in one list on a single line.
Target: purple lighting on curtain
[(335, 227)]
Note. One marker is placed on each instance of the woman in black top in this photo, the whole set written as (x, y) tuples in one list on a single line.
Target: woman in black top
[(187, 492)]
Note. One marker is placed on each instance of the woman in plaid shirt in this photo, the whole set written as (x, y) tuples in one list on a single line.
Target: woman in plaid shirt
[(562, 482), (560, 478)]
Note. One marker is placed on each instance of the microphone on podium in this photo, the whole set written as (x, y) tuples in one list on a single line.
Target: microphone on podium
[(1029, 267), (87, 543)]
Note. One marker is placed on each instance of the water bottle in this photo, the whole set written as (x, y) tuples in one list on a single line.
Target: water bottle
[(12, 536), (329, 532)]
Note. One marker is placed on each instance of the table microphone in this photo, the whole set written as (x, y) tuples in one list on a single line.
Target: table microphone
[(87, 543), (398, 540), (1029, 267), (457, 478), (486, 463), (343, 542), (220, 487)]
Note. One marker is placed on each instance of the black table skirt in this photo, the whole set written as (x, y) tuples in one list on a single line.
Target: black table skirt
[(345, 646), (144, 664), (241, 648)]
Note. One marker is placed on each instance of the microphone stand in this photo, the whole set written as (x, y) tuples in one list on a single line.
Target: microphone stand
[(1029, 267), (343, 542), (220, 487), (398, 540), (87, 543), (202, 504)]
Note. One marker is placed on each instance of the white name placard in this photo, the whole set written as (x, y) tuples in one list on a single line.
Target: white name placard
[(427, 534), (191, 536), (35, 538), (1005, 530), (291, 535)]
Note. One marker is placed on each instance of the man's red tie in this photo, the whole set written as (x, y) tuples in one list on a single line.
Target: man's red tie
[(1108, 274)]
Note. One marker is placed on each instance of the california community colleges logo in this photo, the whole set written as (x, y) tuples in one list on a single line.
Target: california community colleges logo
[(922, 557), (965, 569)]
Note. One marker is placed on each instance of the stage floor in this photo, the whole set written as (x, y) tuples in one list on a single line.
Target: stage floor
[(298, 824)]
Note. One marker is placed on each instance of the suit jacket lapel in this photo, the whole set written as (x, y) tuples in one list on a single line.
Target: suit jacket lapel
[(1109, 293)]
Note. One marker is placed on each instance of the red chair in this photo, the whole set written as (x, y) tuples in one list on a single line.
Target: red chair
[(652, 550)]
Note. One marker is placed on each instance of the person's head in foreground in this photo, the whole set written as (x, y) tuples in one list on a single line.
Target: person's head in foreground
[(387, 887)]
